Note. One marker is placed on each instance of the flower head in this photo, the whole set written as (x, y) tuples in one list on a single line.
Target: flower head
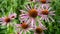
[(42, 1), (39, 29), (5, 20), (23, 27), (46, 13), (31, 14)]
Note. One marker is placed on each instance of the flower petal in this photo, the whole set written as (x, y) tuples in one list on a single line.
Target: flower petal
[(42, 33), (20, 32), (24, 32), (33, 23), (35, 33), (24, 15), (4, 23), (1, 19), (51, 19), (47, 19), (28, 7), (18, 25), (41, 25), (49, 9), (23, 12), (12, 16), (51, 13)]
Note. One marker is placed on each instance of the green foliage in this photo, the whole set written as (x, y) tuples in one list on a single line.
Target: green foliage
[(8, 6)]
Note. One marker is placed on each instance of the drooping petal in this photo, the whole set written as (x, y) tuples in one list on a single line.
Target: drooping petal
[(28, 7), (51, 13), (51, 19), (24, 32), (41, 25), (49, 8), (30, 28), (4, 23), (20, 32), (23, 12), (29, 32), (47, 19), (28, 21), (18, 25), (33, 23), (1, 19), (42, 33), (35, 33), (24, 15), (43, 17)]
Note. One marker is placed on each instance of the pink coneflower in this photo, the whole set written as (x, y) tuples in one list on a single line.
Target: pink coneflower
[(23, 27), (39, 29), (31, 14), (46, 13), (42, 1), (5, 20)]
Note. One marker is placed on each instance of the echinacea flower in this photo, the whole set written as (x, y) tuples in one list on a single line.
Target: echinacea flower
[(23, 27), (46, 13), (42, 1), (31, 14), (45, 1), (39, 29), (5, 20)]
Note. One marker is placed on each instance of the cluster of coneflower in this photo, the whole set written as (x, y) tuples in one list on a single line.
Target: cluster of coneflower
[(31, 16)]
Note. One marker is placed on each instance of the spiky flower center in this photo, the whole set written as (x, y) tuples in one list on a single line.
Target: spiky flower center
[(38, 30), (33, 13), (24, 25), (43, 1), (7, 19), (45, 12)]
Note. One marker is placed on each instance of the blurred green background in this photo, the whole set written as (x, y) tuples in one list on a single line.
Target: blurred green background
[(7, 6)]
